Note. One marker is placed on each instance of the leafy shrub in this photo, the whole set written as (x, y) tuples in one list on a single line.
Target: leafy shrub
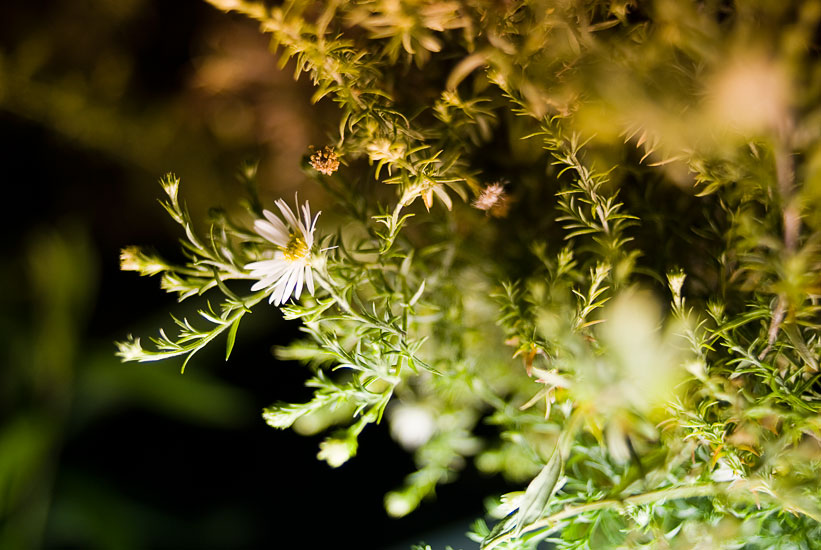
[(591, 225)]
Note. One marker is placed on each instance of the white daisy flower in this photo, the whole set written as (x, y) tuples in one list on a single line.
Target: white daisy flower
[(290, 267)]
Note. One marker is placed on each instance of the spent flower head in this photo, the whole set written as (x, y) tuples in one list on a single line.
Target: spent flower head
[(290, 267), (325, 161), (493, 200), (132, 258)]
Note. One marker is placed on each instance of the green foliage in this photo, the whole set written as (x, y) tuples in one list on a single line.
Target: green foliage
[(640, 326)]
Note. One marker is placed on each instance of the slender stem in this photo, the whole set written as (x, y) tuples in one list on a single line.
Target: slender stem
[(190, 349), (785, 174), (791, 221), (346, 307), (585, 177)]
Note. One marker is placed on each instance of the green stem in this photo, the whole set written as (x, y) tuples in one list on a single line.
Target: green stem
[(190, 350), (324, 282)]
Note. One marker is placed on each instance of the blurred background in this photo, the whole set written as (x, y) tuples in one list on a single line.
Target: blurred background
[(98, 99)]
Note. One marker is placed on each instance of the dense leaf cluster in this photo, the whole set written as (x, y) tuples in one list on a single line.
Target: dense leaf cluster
[(633, 300)]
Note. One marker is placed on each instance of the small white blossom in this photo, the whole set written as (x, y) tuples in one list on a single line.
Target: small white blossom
[(399, 504), (336, 452), (290, 268), (411, 425), (641, 516), (383, 149), (724, 472)]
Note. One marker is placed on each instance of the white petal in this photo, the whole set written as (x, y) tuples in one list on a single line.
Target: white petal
[(283, 277), (299, 281), (303, 223), (265, 282), (278, 281), (275, 220), (309, 279), (268, 281), (262, 265), (259, 285), (277, 234), (311, 227), (267, 269), (287, 213), (279, 293), (273, 279), (291, 284)]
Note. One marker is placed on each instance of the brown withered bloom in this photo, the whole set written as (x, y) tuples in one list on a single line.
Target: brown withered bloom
[(325, 161), (493, 200)]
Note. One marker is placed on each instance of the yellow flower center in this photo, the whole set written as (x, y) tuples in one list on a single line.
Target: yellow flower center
[(296, 249)]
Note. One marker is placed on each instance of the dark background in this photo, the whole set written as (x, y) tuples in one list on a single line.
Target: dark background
[(98, 99)]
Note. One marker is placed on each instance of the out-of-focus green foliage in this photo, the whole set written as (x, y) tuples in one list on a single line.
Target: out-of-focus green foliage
[(52, 389), (70, 82), (632, 302)]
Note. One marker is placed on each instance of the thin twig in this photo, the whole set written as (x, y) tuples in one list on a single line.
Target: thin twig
[(791, 221)]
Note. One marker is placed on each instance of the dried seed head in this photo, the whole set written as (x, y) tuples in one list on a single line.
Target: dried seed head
[(493, 200), (325, 161), (129, 259), (132, 258)]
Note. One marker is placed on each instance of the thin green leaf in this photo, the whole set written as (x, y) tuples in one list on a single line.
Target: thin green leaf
[(232, 336), (539, 491)]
